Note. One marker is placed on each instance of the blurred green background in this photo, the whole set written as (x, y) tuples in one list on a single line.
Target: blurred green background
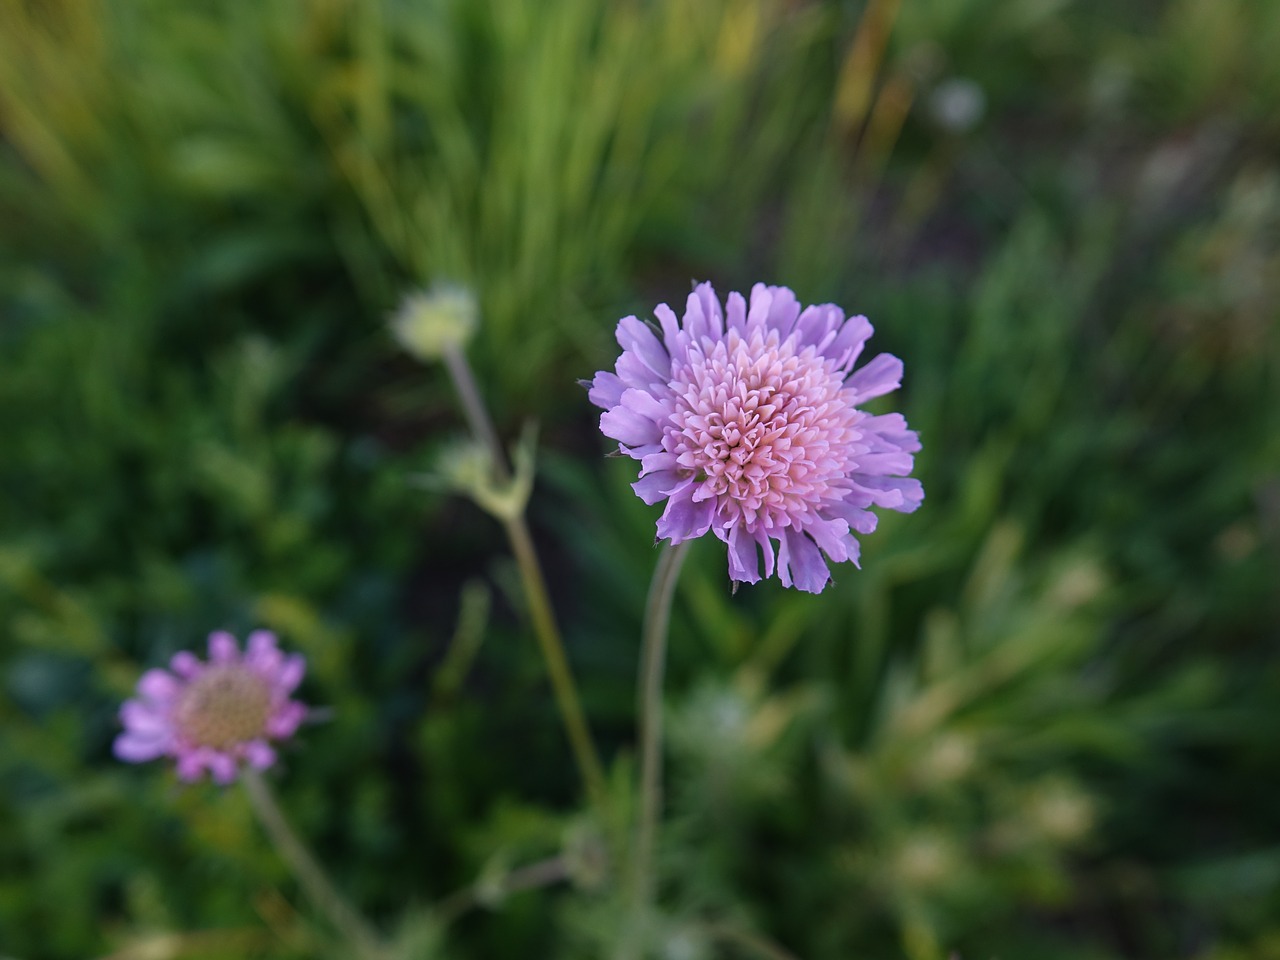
[(1042, 721)]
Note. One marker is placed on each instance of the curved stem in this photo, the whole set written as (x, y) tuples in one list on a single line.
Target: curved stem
[(548, 635), (530, 877), (653, 651), (308, 871), (534, 585)]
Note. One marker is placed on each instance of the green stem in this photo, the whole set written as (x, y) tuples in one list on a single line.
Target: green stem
[(310, 875), (758, 945), (473, 408), (535, 587), (653, 650), (531, 877)]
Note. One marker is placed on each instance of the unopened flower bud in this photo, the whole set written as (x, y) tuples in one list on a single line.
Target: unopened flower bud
[(430, 322)]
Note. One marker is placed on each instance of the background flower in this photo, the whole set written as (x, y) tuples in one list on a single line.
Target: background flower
[(214, 716), (749, 426)]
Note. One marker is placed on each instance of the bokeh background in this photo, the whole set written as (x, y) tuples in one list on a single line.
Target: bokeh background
[(1042, 721)]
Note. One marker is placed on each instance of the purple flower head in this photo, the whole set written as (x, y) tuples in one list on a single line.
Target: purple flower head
[(214, 716), (746, 422)]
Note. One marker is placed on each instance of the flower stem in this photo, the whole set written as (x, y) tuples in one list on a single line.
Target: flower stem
[(310, 875), (653, 650), (534, 585), (548, 634), (531, 877)]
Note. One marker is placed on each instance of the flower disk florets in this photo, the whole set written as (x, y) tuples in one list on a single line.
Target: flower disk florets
[(215, 716), (747, 423)]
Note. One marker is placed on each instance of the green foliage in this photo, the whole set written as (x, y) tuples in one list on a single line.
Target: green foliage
[(1038, 722)]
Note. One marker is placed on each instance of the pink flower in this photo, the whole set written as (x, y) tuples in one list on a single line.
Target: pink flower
[(748, 425), (214, 716)]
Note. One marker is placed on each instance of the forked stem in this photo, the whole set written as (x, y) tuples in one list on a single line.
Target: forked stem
[(534, 585), (315, 882), (653, 655)]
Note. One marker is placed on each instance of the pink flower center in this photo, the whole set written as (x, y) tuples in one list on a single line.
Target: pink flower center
[(224, 706), (767, 431)]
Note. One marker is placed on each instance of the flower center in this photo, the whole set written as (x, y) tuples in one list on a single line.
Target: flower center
[(224, 706), (768, 431)]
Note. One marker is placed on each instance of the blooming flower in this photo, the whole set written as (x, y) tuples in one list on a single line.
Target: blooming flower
[(746, 423), (214, 716)]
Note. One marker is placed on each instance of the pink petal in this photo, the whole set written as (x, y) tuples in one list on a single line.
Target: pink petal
[(191, 764), (683, 519), (159, 686), (286, 720), (800, 562), (744, 561), (136, 748), (143, 718), (656, 486), (606, 390), (259, 754), (881, 375), (291, 673), (886, 464), (628, 427), (186, 665), (817, 325), (849, 342), (222, 766), (903, 494), (223, 647), (736, 312), (639, 339)]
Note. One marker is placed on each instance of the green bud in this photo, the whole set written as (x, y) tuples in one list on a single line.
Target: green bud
[(429, 322), (469, 468)]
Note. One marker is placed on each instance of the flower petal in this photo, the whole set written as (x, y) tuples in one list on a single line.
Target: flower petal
[(903, 494), (290, 673), (683, 519), (223, 647), (191, 763), (637, 338), (656, 485), (186, 665), (883, 374), (849, 342), (259, 754), (628, 427), (159, 686), (606, 390), (744, 561), (136, 748), (285, 721), (142, 718), (881, 464), (817, 325), (706, 296), (223, 767), (800, 562), (736, 312)]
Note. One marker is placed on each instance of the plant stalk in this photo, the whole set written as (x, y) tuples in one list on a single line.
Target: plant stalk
[(307, 869), (535, 587), (653, 655)]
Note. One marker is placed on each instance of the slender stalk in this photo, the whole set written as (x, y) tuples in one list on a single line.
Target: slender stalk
[(534, 585), (653, 655), (530, 877), (766, 949), (548, 634), (310, 875), (473, 408)]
